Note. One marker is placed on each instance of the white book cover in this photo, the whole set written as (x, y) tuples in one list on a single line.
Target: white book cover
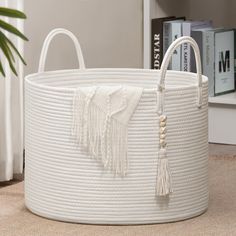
[(208, 59), (173, 30), (197, 34), (224, 62), (186, 31), (187, 27), (176, 32), (167, 33), (166, 36)]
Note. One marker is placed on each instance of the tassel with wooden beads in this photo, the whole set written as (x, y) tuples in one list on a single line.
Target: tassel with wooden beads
[(164, 181)]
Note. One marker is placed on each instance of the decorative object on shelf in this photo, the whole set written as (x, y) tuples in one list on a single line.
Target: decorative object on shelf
[(164, 177), (217, 50), (171, 31), (188, 63), (160, 41), (157, 41), (224, 80)]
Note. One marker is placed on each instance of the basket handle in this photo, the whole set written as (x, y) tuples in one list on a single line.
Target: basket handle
[(165, 63), (47, 42)]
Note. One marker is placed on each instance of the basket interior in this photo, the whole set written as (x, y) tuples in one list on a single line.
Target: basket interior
[(133, 77)]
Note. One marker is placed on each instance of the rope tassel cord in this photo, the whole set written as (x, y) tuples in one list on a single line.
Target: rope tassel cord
[(164, 179)]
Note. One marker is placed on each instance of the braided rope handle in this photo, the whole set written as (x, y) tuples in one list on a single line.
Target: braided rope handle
[(166, 61), (164, 176), (47, 42)]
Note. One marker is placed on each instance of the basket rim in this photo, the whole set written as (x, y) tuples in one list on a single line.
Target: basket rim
[(30, 79)]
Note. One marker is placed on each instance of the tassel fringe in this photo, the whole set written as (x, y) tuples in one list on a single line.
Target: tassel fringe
[(164, 180), (103, 136)]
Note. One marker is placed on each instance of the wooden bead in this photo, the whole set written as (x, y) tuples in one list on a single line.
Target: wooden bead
[(162, 143), (162, 124), (163, 118), (162, 136), (163, 130)]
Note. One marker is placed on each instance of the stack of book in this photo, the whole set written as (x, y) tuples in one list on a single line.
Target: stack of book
[(217, 49)]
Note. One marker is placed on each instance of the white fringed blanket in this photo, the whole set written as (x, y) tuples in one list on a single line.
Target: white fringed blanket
[(100, 120)]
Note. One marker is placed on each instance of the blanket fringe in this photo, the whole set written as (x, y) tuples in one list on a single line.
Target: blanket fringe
[(104, 137)]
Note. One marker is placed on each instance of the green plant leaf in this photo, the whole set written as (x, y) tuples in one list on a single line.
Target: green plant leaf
[(12, 13), (12, 29), (1, 69), (9, 51), (6, 47), (13, 68), (13, 47), (8, 56), (6, 53)]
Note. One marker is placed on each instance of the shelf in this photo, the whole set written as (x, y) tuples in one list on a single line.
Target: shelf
[(223, 107), (220, 12), (227, 99)]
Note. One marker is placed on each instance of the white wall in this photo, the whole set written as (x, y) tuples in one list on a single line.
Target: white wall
[(110, 32)]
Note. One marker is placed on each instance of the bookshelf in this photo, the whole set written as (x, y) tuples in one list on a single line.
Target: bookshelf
[(222, 109), (226, 99)]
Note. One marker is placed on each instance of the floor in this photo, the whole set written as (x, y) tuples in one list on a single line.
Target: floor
[(222, 150), (17, 179)]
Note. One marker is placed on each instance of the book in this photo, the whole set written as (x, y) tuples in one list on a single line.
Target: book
[(208, 60), (217, 52), (224, 62), (157, 41), (171, 31), (197, 35), (187, 27)]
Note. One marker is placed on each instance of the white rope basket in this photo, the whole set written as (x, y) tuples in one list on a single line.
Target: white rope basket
[(167, 174)]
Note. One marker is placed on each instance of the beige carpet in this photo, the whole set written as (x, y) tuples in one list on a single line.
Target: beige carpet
[(220, 219)]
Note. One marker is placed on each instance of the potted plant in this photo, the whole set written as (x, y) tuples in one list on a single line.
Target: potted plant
[(7, 46)]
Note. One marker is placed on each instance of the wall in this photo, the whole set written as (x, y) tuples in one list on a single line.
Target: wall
[(222, 12), (110, 32)]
